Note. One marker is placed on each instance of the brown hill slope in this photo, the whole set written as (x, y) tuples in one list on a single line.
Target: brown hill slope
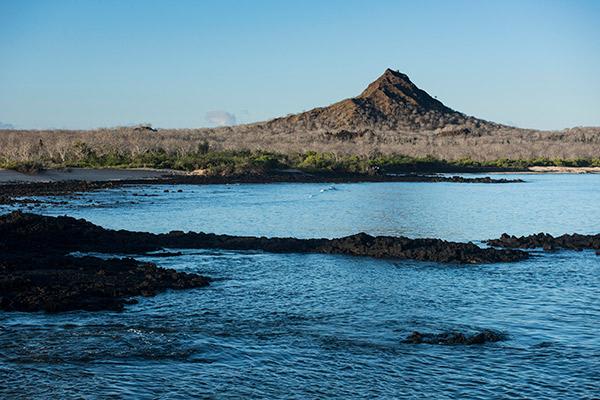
[(392, 102)]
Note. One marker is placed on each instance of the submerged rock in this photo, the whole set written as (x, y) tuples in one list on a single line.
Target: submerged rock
[(455, 337), (548, 242)]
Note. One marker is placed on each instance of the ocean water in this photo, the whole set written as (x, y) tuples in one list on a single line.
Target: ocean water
[(327, 326)]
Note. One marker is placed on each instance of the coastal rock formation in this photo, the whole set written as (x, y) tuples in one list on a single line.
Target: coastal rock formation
[(37, 271), (454, 179), (548, 242), (417, 249), (51, 282), (455, 338), (67, 234), (38, 274), (13, 193)]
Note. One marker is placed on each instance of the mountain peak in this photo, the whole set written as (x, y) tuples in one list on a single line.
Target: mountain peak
[(397, 88), (389, 79), (392, 101), (390, 73)]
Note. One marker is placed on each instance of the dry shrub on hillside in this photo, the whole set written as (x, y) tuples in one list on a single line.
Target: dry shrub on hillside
[(454, 143)]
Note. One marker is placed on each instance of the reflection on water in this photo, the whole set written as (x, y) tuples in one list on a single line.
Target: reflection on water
[(289, 325)]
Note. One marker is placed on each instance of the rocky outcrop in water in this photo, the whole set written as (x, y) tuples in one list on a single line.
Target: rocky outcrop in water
[(417, 249), (68, 234), (453, 179), (38, 274), (54, 282), (548, 242), (455, 338)]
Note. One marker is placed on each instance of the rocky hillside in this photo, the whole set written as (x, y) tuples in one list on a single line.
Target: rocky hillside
[(392, 102)]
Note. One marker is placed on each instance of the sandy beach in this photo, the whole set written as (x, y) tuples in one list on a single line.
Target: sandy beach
[(566, 170)]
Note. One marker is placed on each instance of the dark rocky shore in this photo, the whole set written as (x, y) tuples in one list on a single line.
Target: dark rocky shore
[(54, 282), (329, 177), (548, 242), (13, 193), (37, 272), (21, 193), (68, 234)]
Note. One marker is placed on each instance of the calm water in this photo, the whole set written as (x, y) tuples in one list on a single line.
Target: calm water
[(319, 326)]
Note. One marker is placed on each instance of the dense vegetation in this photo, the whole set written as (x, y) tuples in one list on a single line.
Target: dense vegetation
[(230, 162)]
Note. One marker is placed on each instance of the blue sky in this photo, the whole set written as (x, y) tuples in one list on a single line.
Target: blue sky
[(86, 64)]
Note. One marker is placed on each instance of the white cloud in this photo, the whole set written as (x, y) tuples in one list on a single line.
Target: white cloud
[(220, 118), (4, 125)]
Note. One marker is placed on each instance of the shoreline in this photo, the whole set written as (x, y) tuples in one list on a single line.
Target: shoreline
[(135, 175), (60, 183), (39, 272), (565, 170), (151, 175), (85, 174), (46, 276)]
